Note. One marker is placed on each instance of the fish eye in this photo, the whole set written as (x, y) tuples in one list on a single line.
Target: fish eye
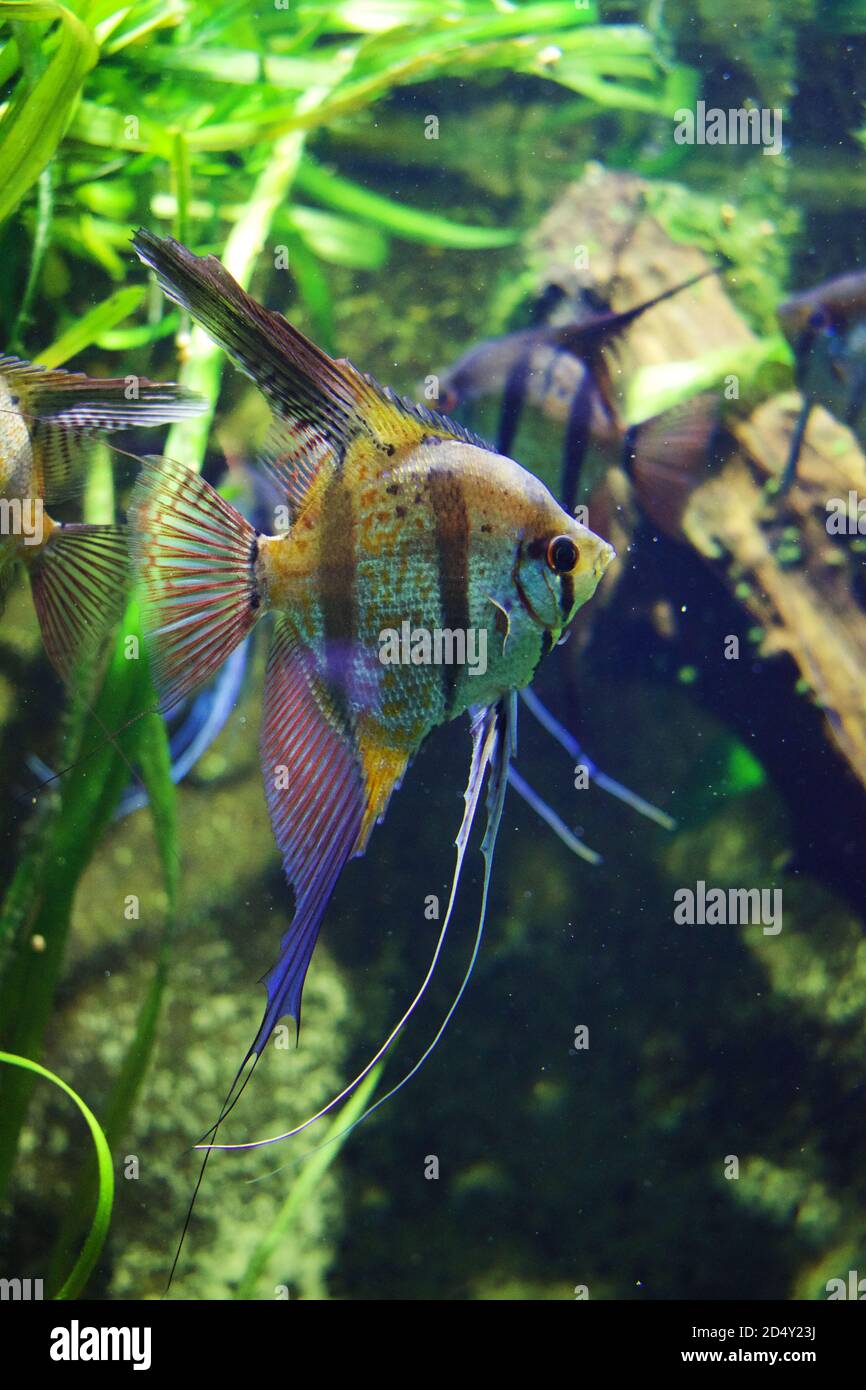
[(562, 555)]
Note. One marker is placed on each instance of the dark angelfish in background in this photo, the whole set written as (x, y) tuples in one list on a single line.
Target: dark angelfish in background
[(561, 368), (826, 326)]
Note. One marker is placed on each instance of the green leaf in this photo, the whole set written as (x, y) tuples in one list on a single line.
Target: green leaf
[(138, 335), (41, 238), (313, 1167), (9, 60), (413, 224), (248, 69), (150, 747), (153, 755), (657, 388), (133, 22), (35, 121), (202, 370), (110, 129), (90, 326), (78, 1276), (313, 289), (337, 239), (97, 768)]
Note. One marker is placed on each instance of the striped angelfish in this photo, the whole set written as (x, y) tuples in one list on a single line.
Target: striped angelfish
[(394, 521), (49, 424)]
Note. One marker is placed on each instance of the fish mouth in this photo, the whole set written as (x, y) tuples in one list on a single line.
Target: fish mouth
[(606, 554)]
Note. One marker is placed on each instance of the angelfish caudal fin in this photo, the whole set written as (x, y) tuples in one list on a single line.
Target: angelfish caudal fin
[(78, 578), (194, 556)]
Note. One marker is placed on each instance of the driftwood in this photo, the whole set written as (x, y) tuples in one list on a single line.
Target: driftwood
[(799, 582)]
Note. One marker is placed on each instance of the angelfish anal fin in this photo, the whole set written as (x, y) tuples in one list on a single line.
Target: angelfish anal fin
[(324, 793)]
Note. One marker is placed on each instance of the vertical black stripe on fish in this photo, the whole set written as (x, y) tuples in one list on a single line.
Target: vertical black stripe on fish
[(544, 646), (566, 594), (337, 588), (517, 582), (451, 529), (255, 595)]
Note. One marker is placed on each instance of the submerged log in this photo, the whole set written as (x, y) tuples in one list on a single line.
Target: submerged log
[(803, 585)]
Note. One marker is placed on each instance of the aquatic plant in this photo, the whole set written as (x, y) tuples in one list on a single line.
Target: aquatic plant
[(78, 1275)]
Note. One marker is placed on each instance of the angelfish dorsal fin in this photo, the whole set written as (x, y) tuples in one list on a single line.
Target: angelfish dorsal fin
[(322, 404), (586, 336), (67, 412)]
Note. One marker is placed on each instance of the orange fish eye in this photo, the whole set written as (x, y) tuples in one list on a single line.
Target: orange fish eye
[(562, 555)]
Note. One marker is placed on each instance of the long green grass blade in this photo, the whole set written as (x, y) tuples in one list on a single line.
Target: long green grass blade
[(203, 369), (90, 327), (415, 224), (313, 288), (89, 794), (338, 239), (81, 1270), (312, 1170), (34, 124), (41, 237)]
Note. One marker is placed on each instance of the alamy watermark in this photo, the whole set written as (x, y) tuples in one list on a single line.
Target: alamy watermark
[(846, 517), (83, 1343), (738, 125), (854, 1287), (742, 907), (439, 646), (21, 1290), (22, 516)]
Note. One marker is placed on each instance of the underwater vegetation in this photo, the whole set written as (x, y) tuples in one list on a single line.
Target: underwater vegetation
[(470, 201)]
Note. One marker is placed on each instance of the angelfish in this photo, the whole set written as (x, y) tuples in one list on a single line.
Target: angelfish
[(561, 368), (826, 311), (49, 421), (393, 514)]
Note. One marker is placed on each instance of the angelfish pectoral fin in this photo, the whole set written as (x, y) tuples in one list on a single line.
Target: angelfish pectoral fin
[(594, 773)]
